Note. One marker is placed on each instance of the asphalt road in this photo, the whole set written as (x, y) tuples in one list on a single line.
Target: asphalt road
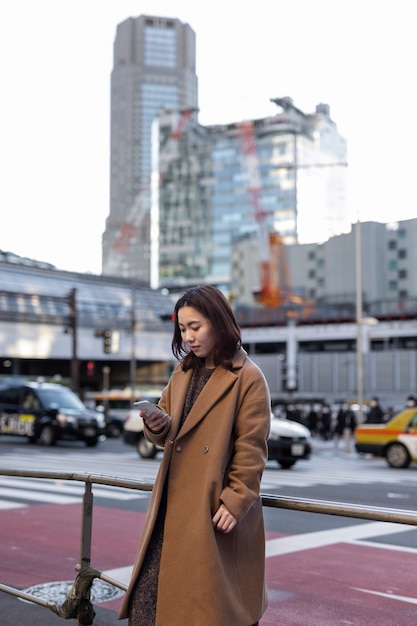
[(336, 570)]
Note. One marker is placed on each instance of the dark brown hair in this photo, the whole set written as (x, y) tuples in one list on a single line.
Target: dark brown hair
[(214, 306)]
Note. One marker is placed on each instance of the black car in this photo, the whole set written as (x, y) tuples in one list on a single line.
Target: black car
[(46, 412), (113, 425)]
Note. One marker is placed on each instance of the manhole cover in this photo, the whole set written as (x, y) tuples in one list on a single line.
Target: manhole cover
[(57, 591)]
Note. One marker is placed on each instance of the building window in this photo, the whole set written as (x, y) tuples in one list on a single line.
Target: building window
[(392, 245), (402, 254), (402, 274), (160, 47)]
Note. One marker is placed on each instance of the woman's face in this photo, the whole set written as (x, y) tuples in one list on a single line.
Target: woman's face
[(197, 332)]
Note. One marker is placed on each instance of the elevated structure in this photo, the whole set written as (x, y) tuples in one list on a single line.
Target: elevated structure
[(38, 317)]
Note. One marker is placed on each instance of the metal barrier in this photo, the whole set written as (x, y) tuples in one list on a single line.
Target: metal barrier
[(78, 605)]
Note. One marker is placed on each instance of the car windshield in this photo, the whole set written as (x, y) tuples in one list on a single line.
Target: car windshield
[(64, 398)]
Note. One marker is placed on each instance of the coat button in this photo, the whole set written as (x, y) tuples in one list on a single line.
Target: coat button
[(171, 443), (205, 449), (178, 448)]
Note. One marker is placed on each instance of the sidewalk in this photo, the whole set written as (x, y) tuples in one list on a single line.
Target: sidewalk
[(14, 612)]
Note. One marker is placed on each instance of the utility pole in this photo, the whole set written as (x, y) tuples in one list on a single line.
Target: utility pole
[(359, 321), (75, 373), (133, 347)]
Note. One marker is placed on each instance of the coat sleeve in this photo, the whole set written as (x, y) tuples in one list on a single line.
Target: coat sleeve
[(250, 453), (159, 438)]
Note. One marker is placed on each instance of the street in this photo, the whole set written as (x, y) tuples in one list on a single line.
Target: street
[(337, 570)]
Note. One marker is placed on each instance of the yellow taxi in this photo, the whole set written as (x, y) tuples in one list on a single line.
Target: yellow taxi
[(395, 440)]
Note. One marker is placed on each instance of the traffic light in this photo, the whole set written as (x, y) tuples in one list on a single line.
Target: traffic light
[(90, 368), (107, 341)]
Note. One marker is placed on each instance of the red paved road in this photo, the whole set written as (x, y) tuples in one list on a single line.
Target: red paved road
[(333, 585)]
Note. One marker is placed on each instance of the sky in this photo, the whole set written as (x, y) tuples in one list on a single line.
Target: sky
[(357, 56)]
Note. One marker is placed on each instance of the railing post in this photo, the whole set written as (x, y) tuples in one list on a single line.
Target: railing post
[(86, 528)]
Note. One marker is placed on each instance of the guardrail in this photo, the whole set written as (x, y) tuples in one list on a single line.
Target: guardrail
[(77, 603)]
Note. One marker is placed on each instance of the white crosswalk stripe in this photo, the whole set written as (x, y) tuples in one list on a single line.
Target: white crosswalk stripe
[(14, 490)]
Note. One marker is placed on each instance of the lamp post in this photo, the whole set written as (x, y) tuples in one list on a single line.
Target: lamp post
[(75, 374), (359, 320), (133, 346)]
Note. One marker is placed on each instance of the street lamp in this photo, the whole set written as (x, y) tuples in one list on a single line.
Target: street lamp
[(359, 350), (361, 322)]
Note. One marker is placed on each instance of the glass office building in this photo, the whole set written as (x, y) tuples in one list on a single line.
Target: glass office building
[(154, 68), (284, 174)]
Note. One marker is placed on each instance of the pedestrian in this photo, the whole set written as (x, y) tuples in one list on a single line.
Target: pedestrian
[(345, 426), (312, 420), (201, 558), (326, 422), (411, 402), (375, 414)]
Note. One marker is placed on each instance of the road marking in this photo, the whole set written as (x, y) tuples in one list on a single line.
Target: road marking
[(383, 546), (306, 541), (117, 493), (6, 504), (25, 494), (391, 596), (404, 496)]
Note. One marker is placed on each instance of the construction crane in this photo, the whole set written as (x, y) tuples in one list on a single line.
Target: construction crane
[(138, 209), (275, 283)]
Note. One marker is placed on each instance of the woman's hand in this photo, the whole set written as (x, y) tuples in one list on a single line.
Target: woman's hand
[(223, 520), (155, 421)]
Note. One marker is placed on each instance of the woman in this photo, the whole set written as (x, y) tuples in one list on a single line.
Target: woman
[(201, 559)]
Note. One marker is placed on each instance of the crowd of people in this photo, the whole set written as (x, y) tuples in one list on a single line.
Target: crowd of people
[(326, 421)]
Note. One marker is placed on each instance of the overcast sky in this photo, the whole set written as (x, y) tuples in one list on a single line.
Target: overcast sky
[(56, 56)]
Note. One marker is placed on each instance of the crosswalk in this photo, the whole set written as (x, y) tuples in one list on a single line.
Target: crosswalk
[(330, 465), (18, 492), (326, 467)]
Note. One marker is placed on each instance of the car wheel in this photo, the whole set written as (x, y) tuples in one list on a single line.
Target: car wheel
[(286, 464), (145, 448), (113, 431), (91, 443), (398, 456), (47, 436)]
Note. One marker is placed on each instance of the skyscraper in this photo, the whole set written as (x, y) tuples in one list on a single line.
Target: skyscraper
[(153, 70)]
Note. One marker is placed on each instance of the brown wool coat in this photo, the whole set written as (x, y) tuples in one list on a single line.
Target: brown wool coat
[(208, 578)]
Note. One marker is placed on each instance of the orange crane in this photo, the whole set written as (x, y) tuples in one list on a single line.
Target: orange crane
[(275, 283)]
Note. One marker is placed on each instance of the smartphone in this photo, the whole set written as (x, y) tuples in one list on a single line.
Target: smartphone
[(149, 407)]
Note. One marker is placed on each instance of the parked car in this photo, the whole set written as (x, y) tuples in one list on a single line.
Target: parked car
[(395, 440), (288, 442), (113, 423), (133, 434), (47, 412)]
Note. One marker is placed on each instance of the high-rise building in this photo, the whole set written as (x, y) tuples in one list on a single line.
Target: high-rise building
[(153, 69), (284, 174)]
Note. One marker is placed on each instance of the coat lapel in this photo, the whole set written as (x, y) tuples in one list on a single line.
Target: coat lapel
[(217, 386)]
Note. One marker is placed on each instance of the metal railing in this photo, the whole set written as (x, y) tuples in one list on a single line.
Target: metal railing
[(78, 604)]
